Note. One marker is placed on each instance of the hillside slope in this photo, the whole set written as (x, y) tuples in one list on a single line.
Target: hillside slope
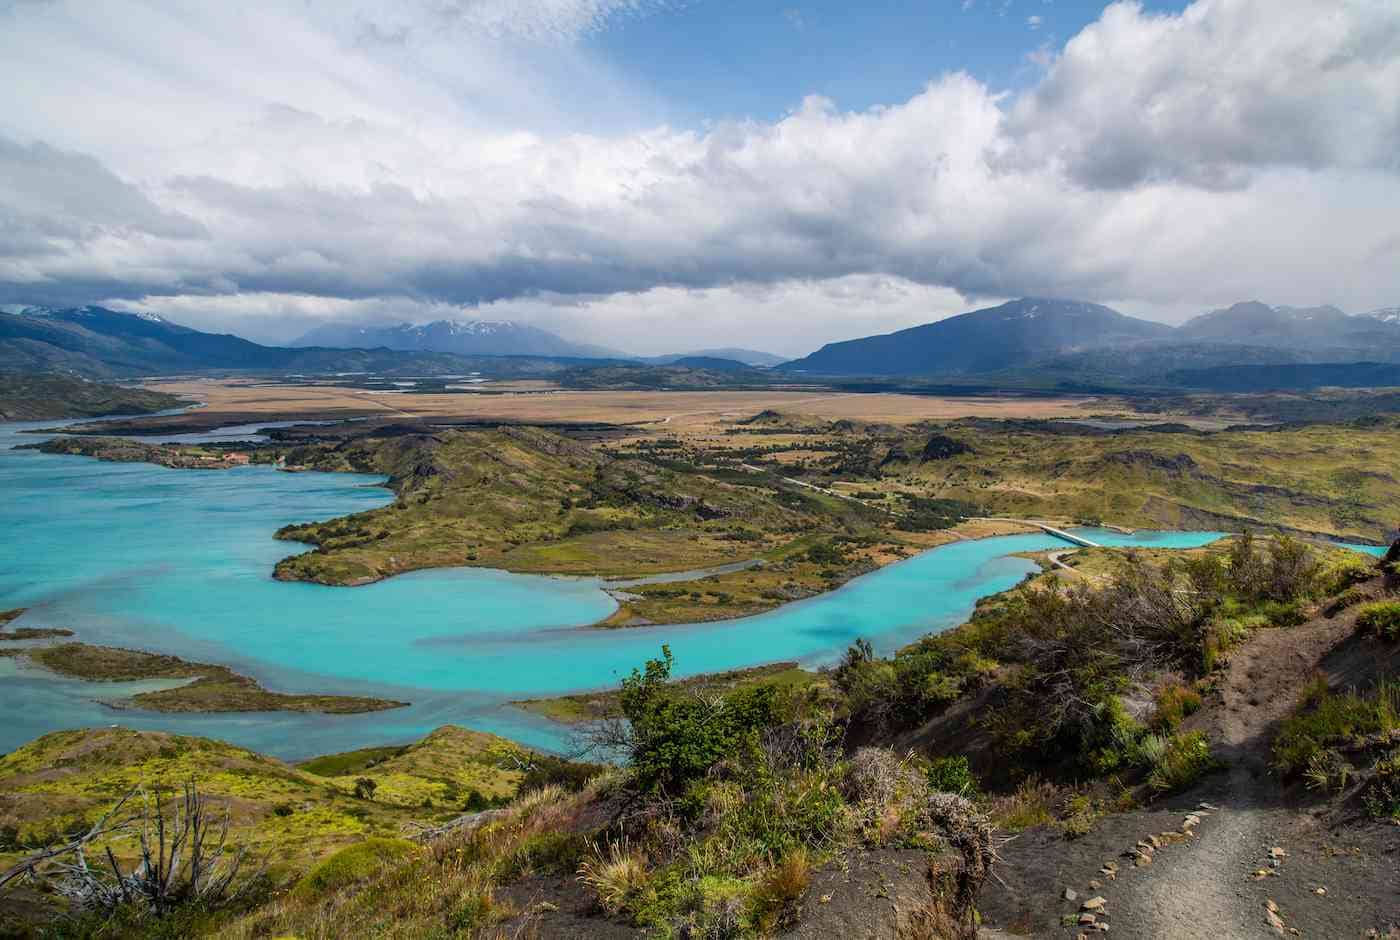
[(1001, 337)]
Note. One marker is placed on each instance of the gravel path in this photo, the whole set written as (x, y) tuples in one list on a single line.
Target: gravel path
[(1256, 864)]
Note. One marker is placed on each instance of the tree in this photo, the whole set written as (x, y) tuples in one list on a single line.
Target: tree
[(671, 736), (364, 788)]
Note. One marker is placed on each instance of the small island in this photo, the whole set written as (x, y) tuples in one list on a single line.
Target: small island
[(211, 688)]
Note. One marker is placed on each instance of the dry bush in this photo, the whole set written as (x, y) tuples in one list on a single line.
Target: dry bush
[(618, 875)]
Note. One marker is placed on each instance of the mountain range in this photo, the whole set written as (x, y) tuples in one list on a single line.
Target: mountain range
[(101, 343), (1071, 340), (463, 337), (1030, 341)]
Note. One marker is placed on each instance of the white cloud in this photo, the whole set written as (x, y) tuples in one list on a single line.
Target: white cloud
[(310, 162)]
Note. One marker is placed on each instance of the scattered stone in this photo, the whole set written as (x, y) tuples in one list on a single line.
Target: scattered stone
[(1071, 894), (1094, 904), (1262, 873), (1271, 906), (1320, 892), (1207, 806), (825, 899), (1087, 920), (1272, 918), (1155, 842), (1101, 927), (1142, 861), (546, 907), (1110, 866), (1094, 884), (1277, 852)]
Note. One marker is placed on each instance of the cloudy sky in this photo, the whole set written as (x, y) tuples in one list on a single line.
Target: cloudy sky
[(667, 174)]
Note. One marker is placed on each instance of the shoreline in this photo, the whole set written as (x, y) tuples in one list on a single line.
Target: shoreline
[(209, 688)]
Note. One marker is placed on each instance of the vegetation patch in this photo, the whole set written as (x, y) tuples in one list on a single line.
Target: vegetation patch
[(1380, 619), (210, 689)]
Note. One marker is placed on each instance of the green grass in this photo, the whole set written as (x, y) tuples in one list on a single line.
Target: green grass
[(1185, 759), (353, 864), (1381, 618), (350, 762), (1325, 719)]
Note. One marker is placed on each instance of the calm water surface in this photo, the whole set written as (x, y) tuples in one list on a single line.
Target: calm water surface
[(180, 561)]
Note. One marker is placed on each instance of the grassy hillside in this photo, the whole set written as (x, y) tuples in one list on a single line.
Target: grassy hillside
[(64, 781), (1335, 479), (35, 397), (528, 500)]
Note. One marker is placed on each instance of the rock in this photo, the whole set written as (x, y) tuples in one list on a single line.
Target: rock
[(1207, 806), (1095, 904), (1094, 885), (1087, 920), (1270, 906), (1277, 852), (1071, 894), (1110, 866), (1320, 892), (1101, 927), (1142, 861)]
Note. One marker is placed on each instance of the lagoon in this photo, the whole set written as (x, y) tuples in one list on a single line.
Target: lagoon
[(180, 561)]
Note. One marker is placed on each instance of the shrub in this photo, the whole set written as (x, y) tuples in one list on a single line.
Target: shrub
[(364, 788), (353, 864), (773, 900), (1187, 758), (546, 770), (1324, 718), (1174, 702), (1344, 573), (1381, 618), (1382, 794), (952, 775), (618, 876), (672, 737), (1030, 805)]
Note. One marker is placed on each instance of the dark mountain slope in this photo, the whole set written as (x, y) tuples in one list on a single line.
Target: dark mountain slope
[(101, 343), (986, 340)]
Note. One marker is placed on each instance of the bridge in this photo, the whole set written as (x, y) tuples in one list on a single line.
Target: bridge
[(1068, 536)]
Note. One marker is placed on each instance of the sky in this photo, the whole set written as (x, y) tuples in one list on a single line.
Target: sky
[(664, 175)]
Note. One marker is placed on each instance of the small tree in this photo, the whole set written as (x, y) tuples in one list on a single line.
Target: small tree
[(364, 788), (671, 736)]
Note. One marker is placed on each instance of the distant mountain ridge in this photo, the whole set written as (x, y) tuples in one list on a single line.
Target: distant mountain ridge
[(462, 337), (986, 340), (99, 343), (749, 357), (1072, 340)]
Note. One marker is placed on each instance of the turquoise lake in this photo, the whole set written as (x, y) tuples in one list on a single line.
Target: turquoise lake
[(180, 561)]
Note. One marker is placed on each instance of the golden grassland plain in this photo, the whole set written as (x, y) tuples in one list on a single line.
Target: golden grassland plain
[(529, 402), (65, 781), (209, 688)]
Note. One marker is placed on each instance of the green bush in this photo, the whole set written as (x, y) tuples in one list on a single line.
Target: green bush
[(952, 775), (1324, 718), (674, 737), (1174, 702), (1382, 794), (1381, 618), (1186, 759), (354, 863)]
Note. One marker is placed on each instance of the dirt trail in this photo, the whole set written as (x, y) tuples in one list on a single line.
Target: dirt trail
[(1221, 879)]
